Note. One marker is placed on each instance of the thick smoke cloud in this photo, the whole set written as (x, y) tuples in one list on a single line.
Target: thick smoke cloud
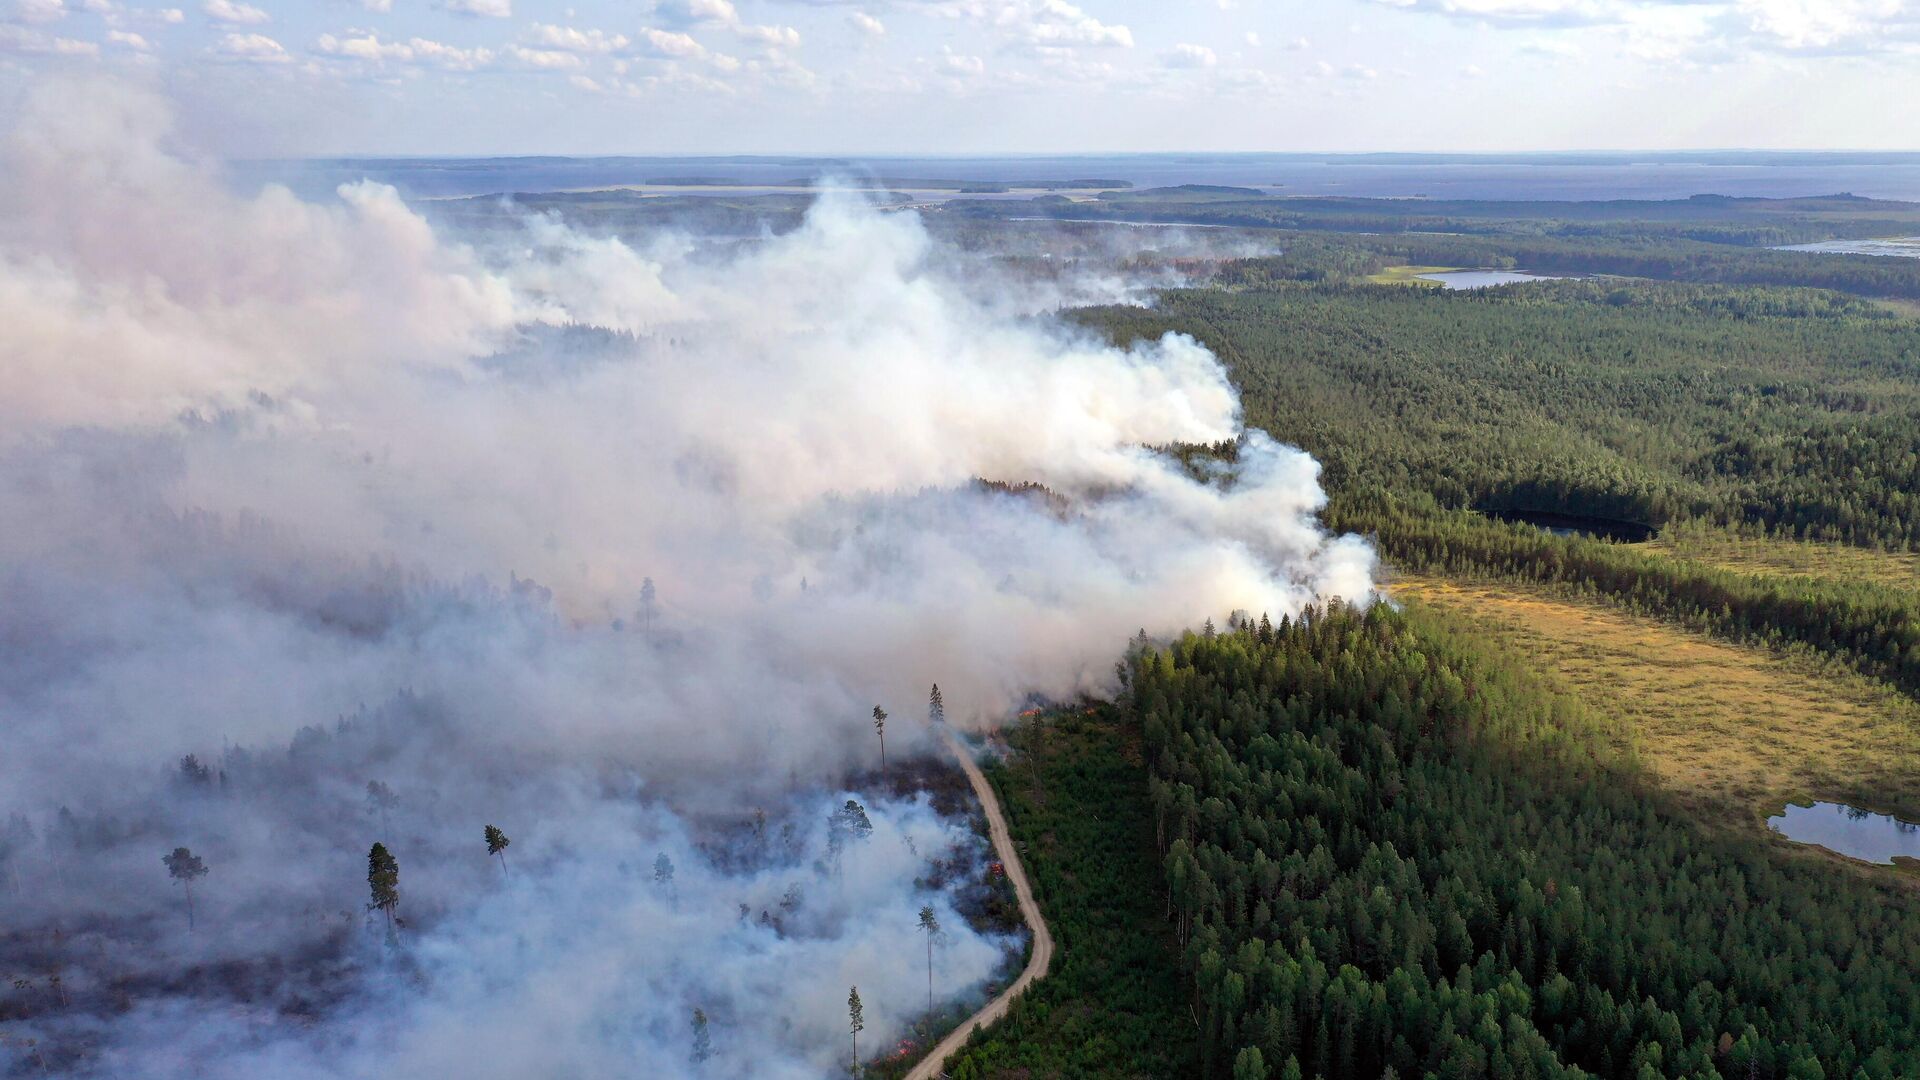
[(323, 496)]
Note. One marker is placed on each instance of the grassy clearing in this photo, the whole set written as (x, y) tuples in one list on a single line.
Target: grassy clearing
[(1408, 275), (1788, 558), (1733, 731)]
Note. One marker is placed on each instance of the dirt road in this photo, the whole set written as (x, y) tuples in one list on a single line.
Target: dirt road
[(1042, 955)]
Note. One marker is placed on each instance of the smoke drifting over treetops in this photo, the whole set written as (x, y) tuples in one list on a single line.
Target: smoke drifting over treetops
[(269, 463)]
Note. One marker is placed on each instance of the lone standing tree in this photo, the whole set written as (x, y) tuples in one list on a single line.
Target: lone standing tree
[(185, 866), (932, 926), (648, 603), (936, 706), (383, 879), (856, 1023), (702, 1041), (497, 845), (880, 727)]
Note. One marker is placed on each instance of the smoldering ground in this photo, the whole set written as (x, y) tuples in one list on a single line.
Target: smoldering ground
[(323, 497)]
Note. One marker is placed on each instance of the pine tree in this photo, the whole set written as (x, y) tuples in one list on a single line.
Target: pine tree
[(185, 866), (663, 871), (856, 1023), (647, 604), (931, 926), (880, 727), (497, 845), (383, 881), (936, 706)]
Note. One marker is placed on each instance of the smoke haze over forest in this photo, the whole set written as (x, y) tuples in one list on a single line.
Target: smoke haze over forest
[(323, 495)]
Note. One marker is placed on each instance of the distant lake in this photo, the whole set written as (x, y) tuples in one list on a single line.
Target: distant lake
[(1855, 833), (1481, 279), (1906, 247)]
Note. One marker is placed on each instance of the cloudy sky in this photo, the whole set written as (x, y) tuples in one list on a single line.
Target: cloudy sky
[(969, 76)]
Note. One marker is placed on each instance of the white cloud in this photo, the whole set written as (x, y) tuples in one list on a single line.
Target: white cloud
[(867, 24), (1057, 23), (784, 37), (1670, 30), (380, 7), (450, 57), (1827, 25), (1187, 55), (673, 45), (1522, 12), (39, 11), (670, 44), (234, 12), (1252, 38), (369, 48), (29, 41), (722, 13), (130, 39), (492, 9), (569, 39), (366, 47), (546, 59), (586, 84), (958, 64), (252, 48)]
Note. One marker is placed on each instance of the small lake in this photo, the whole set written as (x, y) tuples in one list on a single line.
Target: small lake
[(1481, 279), (1625, 532), (1855, 833), (1906, 247)]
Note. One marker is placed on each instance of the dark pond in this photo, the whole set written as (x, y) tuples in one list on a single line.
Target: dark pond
[(1626, 532), (1483, 279), (1851, 831)]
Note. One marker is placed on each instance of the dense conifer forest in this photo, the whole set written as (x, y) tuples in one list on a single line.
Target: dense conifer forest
[(1389, 854), (1640, 401)]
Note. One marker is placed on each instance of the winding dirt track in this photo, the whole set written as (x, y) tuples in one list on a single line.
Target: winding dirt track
[(1042, 956)]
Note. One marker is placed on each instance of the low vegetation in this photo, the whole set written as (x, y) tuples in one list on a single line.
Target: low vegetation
[(1734, 731), (1075, 793)]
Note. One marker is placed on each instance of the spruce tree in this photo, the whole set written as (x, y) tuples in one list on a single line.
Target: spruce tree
[(383, 881)]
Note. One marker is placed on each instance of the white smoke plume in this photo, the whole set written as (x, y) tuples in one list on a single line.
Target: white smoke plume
[(323, 496)]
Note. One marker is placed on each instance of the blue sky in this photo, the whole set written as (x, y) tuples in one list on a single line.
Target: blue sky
[(971, 76)]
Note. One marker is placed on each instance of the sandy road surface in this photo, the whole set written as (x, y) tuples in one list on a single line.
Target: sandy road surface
[(1042, 956)]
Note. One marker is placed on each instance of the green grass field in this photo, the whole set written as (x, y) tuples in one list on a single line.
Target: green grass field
[(1408, 275)]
